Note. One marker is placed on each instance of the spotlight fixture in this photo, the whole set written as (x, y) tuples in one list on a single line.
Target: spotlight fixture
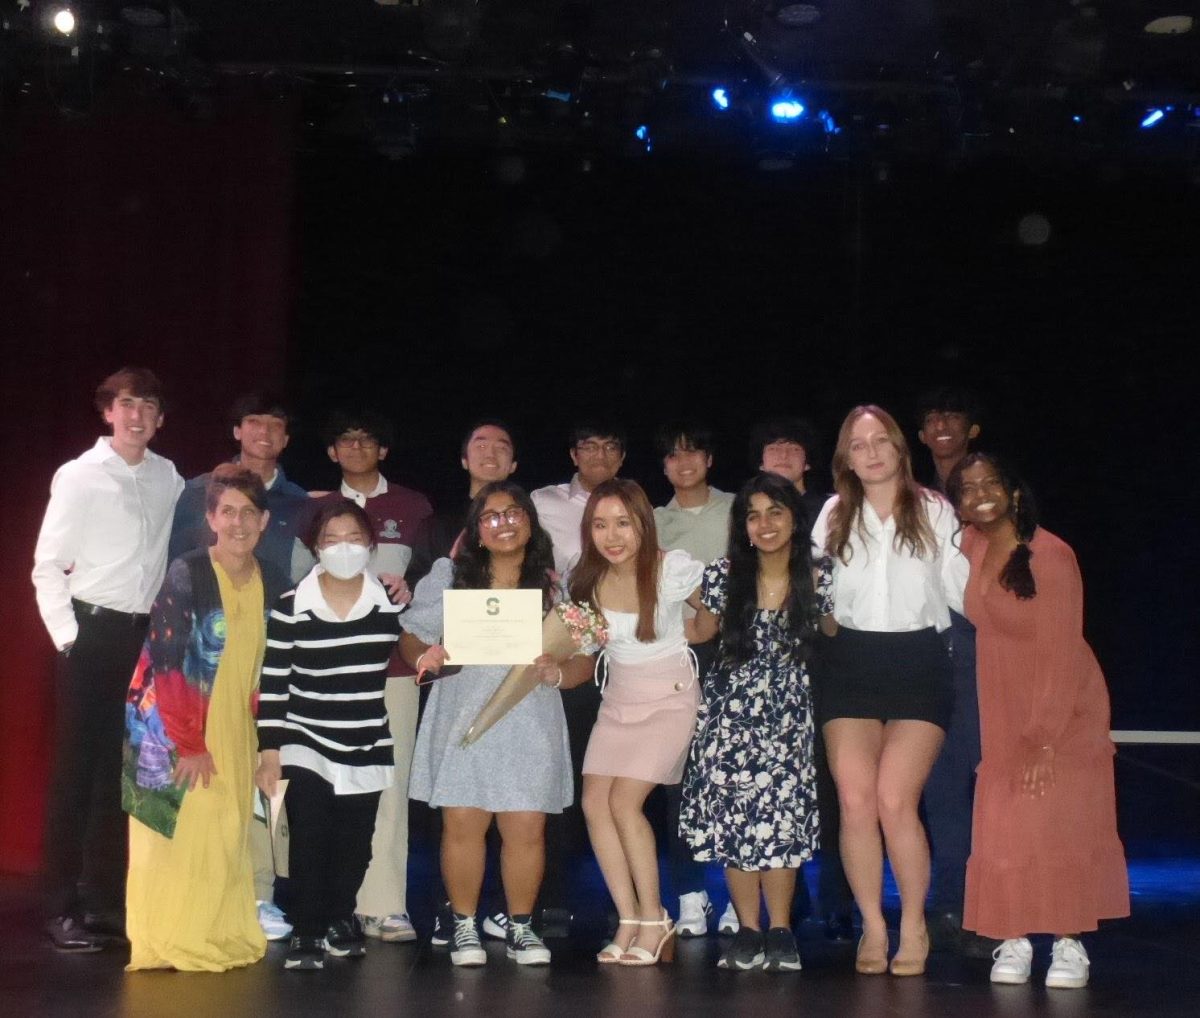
[(63, 20), (1153, 117), (786, 110), (720, 98)]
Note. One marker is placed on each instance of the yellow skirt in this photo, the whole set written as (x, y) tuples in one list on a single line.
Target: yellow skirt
[(189, 899)]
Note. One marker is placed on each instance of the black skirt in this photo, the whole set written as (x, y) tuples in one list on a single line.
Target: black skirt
[(883, 676)]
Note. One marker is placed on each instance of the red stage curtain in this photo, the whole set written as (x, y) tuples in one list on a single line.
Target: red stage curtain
[(135, 236)]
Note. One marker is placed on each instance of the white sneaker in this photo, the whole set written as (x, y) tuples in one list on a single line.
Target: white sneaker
[(272, 921), (729, 924), (1069, 965), (496, 926), (396, 928), (694, 912), (1013, 961), (466, 947)]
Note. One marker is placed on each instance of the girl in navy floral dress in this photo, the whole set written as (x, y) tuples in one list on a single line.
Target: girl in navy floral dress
[(749, 798)]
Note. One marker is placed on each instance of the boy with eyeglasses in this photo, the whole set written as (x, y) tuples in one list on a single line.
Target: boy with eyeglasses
[(597, 450)]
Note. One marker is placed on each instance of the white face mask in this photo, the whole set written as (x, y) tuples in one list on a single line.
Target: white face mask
[(345, 561)]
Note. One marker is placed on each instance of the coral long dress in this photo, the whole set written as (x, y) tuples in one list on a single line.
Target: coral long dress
[(190, 898), (1052, 863)]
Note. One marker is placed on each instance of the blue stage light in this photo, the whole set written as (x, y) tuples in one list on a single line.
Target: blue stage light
[(720, 98), (786, 110), (642, 132), (1152, 118), (1077, 118)]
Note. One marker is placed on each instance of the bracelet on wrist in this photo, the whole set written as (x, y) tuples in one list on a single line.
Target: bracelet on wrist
[(558, 684)]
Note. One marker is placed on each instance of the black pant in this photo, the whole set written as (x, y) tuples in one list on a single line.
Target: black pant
[(86, 831), (330, 838), (566, 833), (950, 790), (833, 890)]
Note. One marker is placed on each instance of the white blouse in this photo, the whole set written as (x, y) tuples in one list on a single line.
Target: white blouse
[(678, 576), (882, 589)]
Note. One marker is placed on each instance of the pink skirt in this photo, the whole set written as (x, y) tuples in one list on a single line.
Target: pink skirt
[(646, 722)]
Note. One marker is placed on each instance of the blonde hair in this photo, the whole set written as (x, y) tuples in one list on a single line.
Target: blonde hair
[(912, 521)]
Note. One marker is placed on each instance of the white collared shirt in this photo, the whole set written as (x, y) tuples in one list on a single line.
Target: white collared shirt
[(560, 512), (104, 536), (885, 590), (358, 498), (310, 598)]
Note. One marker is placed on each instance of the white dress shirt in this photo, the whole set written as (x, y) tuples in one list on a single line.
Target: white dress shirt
[(560, 512), (885, 590), (104, 536)]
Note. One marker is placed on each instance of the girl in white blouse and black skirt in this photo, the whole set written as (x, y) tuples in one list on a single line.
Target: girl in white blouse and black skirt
[(885, 695)]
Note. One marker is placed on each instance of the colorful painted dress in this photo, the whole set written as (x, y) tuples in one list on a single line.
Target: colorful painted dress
[(190, 892), (749, 797)]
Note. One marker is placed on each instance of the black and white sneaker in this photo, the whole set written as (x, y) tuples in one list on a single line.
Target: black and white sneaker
[(496, 926), (781, 952), (345, 938), (305, 954), (467, 948), (745, 953), (523, 945), (443, 926)]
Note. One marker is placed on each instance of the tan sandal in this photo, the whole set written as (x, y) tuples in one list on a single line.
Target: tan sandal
[(664, 951), (610, 953)]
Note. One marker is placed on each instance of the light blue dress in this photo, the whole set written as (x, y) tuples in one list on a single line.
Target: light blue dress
[(522, 763)]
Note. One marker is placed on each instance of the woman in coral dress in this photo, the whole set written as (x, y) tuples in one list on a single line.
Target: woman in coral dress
[(1045, 856)]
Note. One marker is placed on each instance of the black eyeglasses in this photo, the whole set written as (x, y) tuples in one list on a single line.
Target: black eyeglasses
[(591, 447), (513, 515)]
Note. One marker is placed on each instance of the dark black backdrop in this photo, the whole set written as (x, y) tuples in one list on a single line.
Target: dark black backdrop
[(649, 290)]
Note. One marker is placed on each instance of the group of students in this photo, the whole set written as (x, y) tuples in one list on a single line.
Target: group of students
[(752, 640)]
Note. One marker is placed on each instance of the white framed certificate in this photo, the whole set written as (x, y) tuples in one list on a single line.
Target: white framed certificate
[(492, 627)]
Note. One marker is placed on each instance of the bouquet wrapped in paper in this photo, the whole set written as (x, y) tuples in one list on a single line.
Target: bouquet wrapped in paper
[(568, 630)]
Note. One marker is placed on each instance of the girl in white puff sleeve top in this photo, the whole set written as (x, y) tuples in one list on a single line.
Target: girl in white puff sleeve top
[(651, 694)]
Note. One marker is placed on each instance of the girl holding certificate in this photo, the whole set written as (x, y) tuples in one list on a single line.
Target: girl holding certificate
[(648, 680), (520, 769)]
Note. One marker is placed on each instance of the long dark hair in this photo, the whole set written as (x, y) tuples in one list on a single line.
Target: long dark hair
[(473, 563), (741, 605), (912, 518), (592, 565), (1016, 575)]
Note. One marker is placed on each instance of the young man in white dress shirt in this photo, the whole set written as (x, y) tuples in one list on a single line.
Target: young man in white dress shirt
[(597, 450), (100, 559)]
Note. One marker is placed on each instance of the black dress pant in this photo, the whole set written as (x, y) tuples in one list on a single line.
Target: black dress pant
[(86, 832), (330, 849)]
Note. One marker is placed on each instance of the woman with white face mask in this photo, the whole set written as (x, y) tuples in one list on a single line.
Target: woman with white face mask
[(322, 725)]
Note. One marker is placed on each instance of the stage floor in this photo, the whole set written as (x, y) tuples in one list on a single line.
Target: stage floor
[(1148, 965)]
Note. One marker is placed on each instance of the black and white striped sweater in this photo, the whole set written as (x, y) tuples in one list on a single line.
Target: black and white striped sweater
[(321, 696)]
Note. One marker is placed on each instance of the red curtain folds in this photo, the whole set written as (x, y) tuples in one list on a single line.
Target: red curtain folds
[(129, 236)]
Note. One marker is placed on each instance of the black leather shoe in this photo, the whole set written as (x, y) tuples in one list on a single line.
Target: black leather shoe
[(972, 945), (945, 931), (108, 924), (555, 922), (67, 933), (839, 927)]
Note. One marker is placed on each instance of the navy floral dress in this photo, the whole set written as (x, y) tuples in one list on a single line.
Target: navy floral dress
[(749, 795)]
